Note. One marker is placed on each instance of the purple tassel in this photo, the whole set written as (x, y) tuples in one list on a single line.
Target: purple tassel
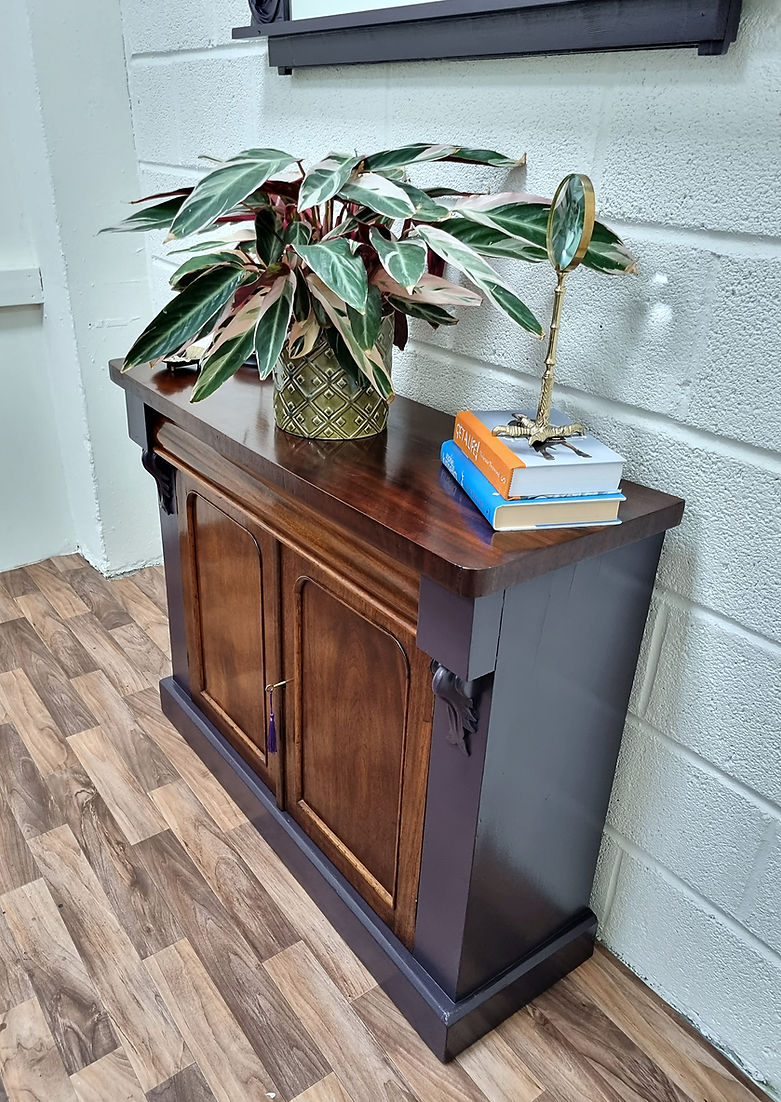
[(271, 741)]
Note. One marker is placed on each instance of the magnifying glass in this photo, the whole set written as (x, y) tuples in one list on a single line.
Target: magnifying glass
[(569, 232)]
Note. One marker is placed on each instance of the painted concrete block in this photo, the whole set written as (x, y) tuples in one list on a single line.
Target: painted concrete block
[(763, 915), (154, 97), (605, 878), (197, 103), (673, 125), (717, 690), (514, 105), (736, 388), (686, 818), (700, 964), (152, 26)]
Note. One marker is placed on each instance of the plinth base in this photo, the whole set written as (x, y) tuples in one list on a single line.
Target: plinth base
[(446, 1026)]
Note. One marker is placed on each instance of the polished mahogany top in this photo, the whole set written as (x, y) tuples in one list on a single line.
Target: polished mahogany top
[(390, 489)]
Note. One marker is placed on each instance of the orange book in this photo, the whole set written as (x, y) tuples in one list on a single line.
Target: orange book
[(488, 453)]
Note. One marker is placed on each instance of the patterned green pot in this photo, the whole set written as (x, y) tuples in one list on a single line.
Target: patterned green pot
[(316, 398)]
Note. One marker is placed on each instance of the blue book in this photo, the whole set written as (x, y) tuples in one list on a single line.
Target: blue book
[(583, 511)]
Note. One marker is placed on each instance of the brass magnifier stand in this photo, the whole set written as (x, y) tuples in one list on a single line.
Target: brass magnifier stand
[(570, 226)]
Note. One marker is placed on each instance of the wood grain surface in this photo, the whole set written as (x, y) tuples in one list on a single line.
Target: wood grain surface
[(390, 491), (77, 1019), (191, 966)]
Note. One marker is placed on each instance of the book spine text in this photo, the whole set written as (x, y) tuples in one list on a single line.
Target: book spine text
[(488, 454)]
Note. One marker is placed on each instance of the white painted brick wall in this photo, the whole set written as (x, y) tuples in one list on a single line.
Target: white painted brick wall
[(678, 369)]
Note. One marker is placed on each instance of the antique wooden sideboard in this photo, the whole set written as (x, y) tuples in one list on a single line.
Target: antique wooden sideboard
[(454, 698)]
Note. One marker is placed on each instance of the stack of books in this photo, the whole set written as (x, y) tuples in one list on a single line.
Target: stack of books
[(518, 487)]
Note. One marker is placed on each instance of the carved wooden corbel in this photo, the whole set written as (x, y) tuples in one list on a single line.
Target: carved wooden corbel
[(165, 477), (458, 698)]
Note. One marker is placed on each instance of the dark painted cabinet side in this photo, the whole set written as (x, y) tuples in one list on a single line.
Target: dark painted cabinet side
[(513, 830)]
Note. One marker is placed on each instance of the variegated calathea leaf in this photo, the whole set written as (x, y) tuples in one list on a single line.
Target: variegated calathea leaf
[(157, 217), (525, 217), (379, 194), (430, 288), (225, 187), (268, 235), (297, 233), (366, 325), (486, 157), (434, 315), (218, 240), (303, 336), (186, 315), (324, 179), (481, 274), (339, 268), (408, 155), (489, 241), (369, 361), (426, 208), (404, 261), (239, 323), (421, 151), (272, 327), (186, 272)]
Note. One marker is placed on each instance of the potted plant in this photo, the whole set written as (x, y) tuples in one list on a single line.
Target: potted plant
[(316, 271)]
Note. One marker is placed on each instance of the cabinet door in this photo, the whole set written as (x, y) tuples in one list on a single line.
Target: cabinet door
[(231, 585), (358, 712)]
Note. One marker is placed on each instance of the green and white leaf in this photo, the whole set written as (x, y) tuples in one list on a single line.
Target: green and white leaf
[(157, 217), (298, 233), (335, 263), (516, 214), (404, 261), (366, 325), (408, 155), (430, 288), (509, 302), (222, 364), (225, 187), (489, 241), (434, 315), (220, 241), (268, 235), (525, 217), (342, 228), (272, 327), (426, 209), (368, 361), (202, 263), (482, 274), (324, 179), (255, 155), (244, 320), (378, 194), (186, 315), (608, 254), (303, 336), (487, 157)]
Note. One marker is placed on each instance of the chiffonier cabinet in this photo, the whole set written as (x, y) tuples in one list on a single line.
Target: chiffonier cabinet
[(448, 702)]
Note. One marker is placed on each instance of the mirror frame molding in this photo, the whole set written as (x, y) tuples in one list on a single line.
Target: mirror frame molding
[(494, 28)]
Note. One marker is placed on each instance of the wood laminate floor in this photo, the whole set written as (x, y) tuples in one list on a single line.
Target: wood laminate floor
[(152, 946)]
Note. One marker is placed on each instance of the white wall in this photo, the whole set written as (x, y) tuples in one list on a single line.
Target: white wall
[(677, 369), (34, 505), (65, 101)]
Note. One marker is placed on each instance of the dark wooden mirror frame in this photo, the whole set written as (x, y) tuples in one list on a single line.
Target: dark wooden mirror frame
[(490, 28)]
